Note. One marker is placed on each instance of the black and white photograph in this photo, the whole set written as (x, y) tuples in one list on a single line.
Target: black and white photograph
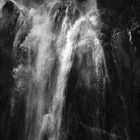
[(70, 69)]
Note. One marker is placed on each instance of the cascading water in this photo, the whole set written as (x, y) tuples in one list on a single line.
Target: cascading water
[(54, 51), (69, 69)]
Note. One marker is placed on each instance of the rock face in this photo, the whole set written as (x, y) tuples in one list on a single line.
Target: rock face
[(9, 26), (118, 41), (107, 110), (7, 31)]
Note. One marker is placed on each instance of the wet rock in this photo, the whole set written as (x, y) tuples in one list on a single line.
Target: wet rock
[(8, 30)]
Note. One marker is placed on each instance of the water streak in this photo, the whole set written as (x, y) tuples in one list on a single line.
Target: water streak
[(44, 48)]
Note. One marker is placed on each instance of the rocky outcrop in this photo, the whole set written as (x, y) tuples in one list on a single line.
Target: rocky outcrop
[(119, 18), (9, 26), (7, 33)]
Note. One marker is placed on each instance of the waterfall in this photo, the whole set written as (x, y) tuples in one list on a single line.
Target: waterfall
[(69, 69), (54, 51)]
